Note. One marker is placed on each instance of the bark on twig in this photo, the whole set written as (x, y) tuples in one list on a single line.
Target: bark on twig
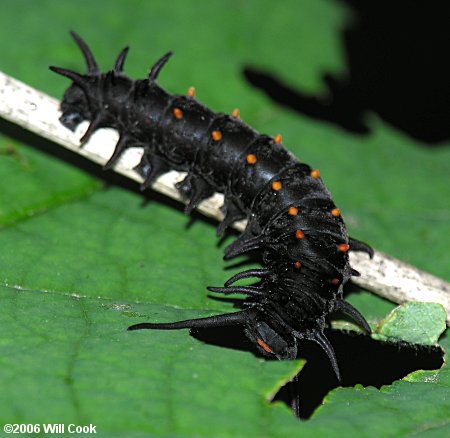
[(39, 113)]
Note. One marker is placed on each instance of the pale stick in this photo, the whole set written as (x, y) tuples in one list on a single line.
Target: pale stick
[(39, 113)]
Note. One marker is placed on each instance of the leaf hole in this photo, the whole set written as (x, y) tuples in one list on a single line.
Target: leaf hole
[(362, 361)]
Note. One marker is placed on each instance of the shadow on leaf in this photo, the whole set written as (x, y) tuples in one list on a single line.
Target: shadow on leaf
[(396, 55)]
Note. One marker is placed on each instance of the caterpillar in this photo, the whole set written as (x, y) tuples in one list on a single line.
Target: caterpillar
[(292, 220)]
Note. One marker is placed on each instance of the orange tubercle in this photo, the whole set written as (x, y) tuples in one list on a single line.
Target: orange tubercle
[(315, 173), (293, 211), (297, 265), (191, 91), (278, 139), (264, 346), (276, 185), (299, 234), (235, 113), (343, 247), (178, 113), (336, 212), (251, 159), (216, 135)]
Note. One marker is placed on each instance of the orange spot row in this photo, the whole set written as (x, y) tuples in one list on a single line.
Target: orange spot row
[(297, 265), (299, 234), (315, 173), (293, 211), (216, 135), (177, 113), (276, 185), (251, 159), (278, 139), (335, 212), (335, 281), (264, 346), (191, 91), (343, 247)]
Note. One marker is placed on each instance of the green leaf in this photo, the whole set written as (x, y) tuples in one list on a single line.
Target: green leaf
[(77, 351), (416, 322), (81, 261)]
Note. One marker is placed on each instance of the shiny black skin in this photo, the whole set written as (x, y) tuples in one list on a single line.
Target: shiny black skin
[(289, 302)]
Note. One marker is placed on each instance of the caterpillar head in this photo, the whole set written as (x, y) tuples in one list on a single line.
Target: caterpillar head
[(74, 107), (92, 95), (77, 104)]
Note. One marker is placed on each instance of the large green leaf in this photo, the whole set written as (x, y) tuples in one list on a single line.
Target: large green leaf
[(80, 261)]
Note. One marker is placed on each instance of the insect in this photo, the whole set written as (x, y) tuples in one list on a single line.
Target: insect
[(292, 220)]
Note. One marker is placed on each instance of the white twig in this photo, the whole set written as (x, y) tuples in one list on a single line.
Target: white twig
[(39, 113)]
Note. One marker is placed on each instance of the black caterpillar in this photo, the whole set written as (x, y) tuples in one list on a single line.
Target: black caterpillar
[(292, 219)]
